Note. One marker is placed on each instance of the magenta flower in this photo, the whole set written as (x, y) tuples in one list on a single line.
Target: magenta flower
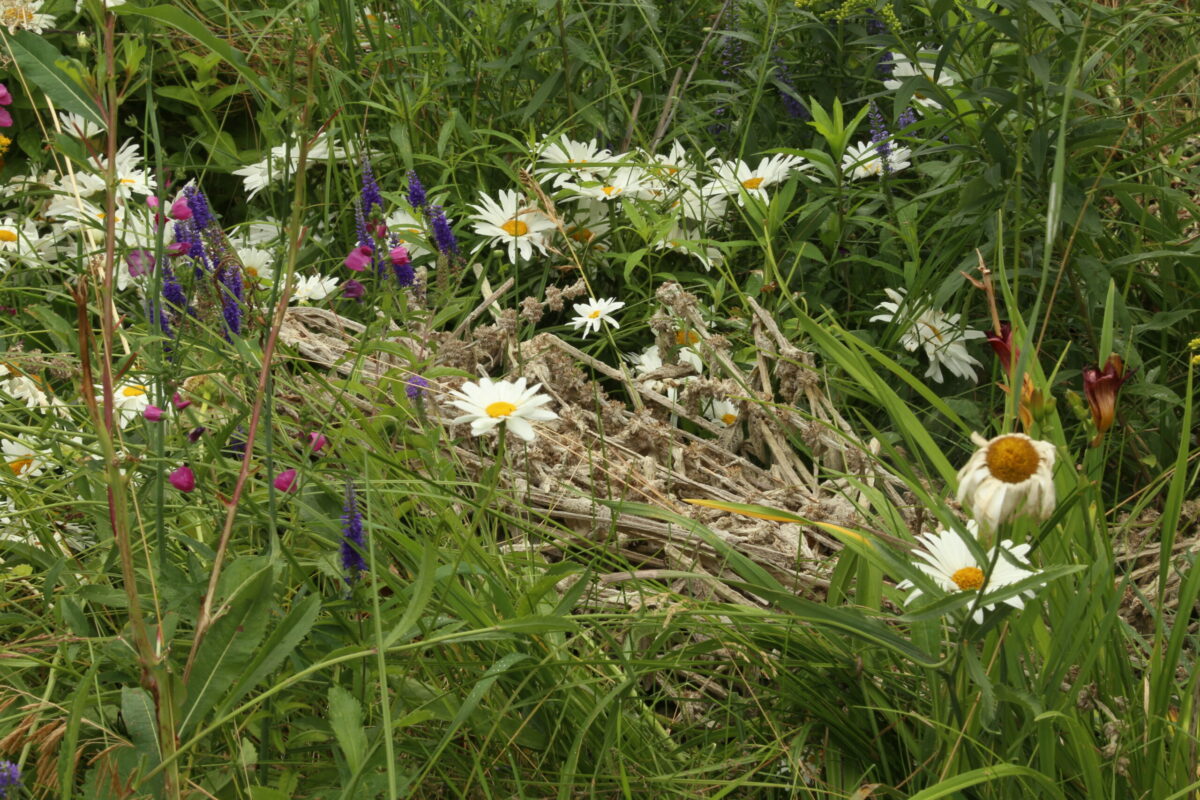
[(286, 480), (183, 479), (317, 442), (141, 262), (399, 256), (359, 257), (6, 98), (153, 413), (180, 402), (180, 208), (353, 290)]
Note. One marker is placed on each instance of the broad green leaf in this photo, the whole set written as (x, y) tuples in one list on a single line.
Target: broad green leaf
[(39, 62), (346, 719)]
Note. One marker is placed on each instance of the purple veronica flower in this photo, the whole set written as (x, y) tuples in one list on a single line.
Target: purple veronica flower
[(10, 773), (880, 136), (172, 291), (443, 237), (787, 91), (231, 298), (886, 65), (415, 387), (353, 539), (416, 192), (198, 203), (371, 195), (907, 118)]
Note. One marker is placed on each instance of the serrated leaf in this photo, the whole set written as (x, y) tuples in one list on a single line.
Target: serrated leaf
[(345, 717)]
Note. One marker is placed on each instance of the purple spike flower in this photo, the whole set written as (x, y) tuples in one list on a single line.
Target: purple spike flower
[(886, 65), (353, 539), (907, 118), (443, 237), (416, 192), (787, 91), (880, 137), (231, 299), (10, 778), (415, 387), (172, 291), (371, 195), (201, 214)]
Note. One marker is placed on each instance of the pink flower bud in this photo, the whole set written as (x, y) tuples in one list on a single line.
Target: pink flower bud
[(141, 262), (286, 480), (379, 230), (180, 402), (177, 248), (359, 257), (153, 413), (152, 201), (180, 208), (399, 256), (183, 479), (317, 441)]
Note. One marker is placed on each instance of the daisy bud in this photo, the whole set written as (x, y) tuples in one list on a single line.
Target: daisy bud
[(359, 257), (1101, 388), (153, 413), (183, 479), (180, 208), (317, 442), (353, 290), (286, 480), (180, 402)]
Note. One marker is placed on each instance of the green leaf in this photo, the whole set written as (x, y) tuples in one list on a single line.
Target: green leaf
[(137, 710), (40, 63), (345, 717), (952, 786), (230, 643)]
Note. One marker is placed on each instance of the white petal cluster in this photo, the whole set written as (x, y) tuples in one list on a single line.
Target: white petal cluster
[(591, 314), (489, 403), (1008, 476), (937, 333), (863, 160), (904, 69), (312, 288), (512, 222)]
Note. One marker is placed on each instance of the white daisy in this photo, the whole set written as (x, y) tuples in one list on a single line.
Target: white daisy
[(938, 333), (1008, 476), (489, 403), (723, 412), (629, 181), (313, 288), (78, 125), (129, 401), (22, 460), (131, 177), (863, 160), (403, 225), (568, 161), (594, 312), (695, 204), (255, 177), (681, 241), (25, 15), (511, 221), (903, 70), (257, 265), (28, 391), (257, 234), (589, 223), (21, 241), (738, 178), (949, 564)]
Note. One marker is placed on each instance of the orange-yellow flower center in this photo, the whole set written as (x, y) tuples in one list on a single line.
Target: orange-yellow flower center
[(968, 579), (1012, 459), (514, 227), (15, 16), (729, 419), (595, 314), (752, 183), (20, 465), (8, 236), (500, 409), (582, 235), (134, 391), (686, 337), (608, 190)]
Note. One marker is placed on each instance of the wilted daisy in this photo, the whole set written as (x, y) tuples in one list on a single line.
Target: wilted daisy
[(594, 312), (512, 221), (949, 563), (25, 15), (28, 391), (904, 69), (863, 160), (735, 177), (313, 288), (1008, 476), (937, 333), (489, 403)]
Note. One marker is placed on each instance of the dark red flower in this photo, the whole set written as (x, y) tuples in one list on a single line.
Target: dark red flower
[(1101, 388)]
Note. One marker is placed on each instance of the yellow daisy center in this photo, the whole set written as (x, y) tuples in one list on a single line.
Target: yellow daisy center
[(16, 16), (5, 143), (8, 236), (133, 391), (1012, 459), (595, 314), (729, 419), (968, 579), (514, 227), (608, 190), (752, 183), (686, 337), (500, 408), (582, 235), (20, 465)]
